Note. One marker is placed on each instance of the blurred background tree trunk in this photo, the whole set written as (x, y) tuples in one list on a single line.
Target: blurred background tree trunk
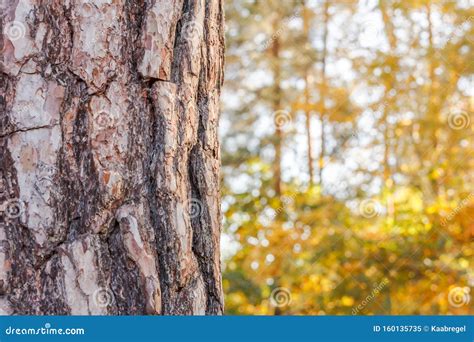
[(109, 157)]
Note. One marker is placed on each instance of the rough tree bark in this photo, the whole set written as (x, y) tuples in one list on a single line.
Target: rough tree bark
[(109, 157)]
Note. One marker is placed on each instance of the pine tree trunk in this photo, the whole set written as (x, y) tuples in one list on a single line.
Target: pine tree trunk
[(322, 96), (109, 157), (277, 94)]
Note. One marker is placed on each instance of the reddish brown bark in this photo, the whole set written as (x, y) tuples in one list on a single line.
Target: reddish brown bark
[(109, 157)]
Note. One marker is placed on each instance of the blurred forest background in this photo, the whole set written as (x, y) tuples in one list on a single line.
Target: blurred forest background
[(347, 151)]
